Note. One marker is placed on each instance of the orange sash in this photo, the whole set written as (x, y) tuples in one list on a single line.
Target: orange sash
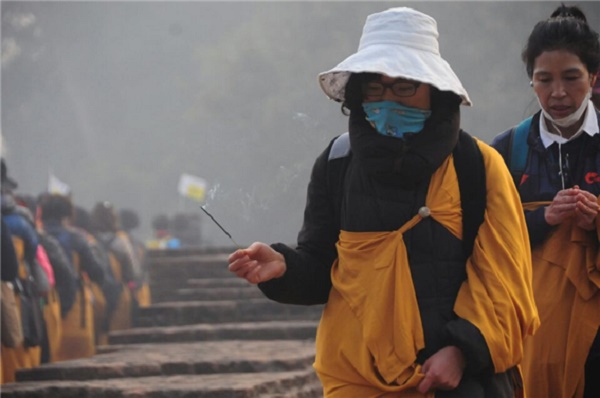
[(566, 280)]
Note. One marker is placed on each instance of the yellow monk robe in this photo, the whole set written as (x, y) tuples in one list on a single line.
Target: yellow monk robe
[(142, 294), (98, 305), (99, 310), (370, 331), (78, 338), (566, 281), (19, 357), (121, 317), (53, 323)]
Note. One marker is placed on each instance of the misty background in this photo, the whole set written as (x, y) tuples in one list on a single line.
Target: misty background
[(118, 99)]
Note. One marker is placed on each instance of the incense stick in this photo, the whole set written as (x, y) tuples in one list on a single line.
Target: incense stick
[(219, 225)]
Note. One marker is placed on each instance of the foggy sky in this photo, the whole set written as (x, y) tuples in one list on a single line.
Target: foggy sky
[(118, 99)]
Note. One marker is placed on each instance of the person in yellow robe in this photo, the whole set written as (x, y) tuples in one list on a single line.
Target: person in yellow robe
[(418, 302), (558, 182), (125, 265), (78, 337)]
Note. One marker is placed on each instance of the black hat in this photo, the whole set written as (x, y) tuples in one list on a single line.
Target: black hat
[(7, 182)]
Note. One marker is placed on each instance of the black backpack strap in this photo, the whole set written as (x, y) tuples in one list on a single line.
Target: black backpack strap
[(337, 163), (470, 169)]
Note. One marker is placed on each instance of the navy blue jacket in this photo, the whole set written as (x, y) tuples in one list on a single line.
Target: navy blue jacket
[(73, 241)]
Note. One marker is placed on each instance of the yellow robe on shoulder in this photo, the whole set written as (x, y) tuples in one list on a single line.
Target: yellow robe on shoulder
[(19, 357), (370, 331), (566, 282), (121, 317), (78, 338), (53, 323)]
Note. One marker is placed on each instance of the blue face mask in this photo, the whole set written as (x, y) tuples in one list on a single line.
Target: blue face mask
[(392, 119)]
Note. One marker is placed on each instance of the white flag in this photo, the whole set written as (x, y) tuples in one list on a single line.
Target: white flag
[(192, 187), (56, 186)]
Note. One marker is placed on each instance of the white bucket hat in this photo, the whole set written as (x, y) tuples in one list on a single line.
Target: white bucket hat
[(399, 42)]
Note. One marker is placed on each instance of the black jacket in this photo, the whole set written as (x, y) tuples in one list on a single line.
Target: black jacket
[(67, 281)]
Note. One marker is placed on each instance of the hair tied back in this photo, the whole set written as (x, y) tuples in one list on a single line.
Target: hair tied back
[(569, 12)]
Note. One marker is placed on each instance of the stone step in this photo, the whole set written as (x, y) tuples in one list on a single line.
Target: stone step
[(289, 384), (188, 252), (144, 360), (208, 289), (219, 293), (308, 390), (276, 330), (204, 283), (198, 266), (225, 311), (210, 293)]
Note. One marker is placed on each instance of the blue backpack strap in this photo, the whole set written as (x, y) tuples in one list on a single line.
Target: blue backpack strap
[(340, 147), (518, 147)]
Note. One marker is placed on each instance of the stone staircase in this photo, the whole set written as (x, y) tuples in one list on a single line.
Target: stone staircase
[(207, 334)]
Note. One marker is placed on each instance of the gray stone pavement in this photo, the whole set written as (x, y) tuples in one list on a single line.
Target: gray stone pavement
[(287, 384), (214, 357), (217, 293), (194, 312)]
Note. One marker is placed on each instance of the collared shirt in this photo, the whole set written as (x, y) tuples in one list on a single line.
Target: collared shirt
[(589, 126)]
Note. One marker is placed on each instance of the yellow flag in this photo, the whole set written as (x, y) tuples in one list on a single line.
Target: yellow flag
[(192, 187)]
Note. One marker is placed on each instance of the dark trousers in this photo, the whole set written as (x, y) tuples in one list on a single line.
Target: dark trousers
[(592, 378), (592, 371)]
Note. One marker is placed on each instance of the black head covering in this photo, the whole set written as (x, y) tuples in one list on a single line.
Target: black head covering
[(7, 182)]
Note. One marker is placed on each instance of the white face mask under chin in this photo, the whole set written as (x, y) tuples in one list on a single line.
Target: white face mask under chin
[(570, 119), (566, 122)]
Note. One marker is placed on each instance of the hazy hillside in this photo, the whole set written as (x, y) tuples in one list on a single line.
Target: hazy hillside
[(117, 99)]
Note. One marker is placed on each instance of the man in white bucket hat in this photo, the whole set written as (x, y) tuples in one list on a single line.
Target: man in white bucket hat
[(413, 233)]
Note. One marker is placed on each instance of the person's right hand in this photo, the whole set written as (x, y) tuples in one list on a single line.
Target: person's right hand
[(562, 207), (257, 263), (443, 370), (586, 210)]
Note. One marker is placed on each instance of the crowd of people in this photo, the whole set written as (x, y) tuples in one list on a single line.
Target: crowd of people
[(450, 267), (182, 230), (76, 275)]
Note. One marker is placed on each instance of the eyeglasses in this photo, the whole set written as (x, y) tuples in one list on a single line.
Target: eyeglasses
[(400, 88)]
